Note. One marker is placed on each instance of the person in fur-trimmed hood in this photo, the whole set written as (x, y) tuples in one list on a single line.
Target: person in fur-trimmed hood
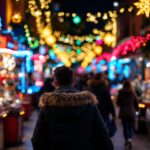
[(68, 119), (100, 88)]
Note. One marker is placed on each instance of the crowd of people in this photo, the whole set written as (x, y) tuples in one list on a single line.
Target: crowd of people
[(77, 112)]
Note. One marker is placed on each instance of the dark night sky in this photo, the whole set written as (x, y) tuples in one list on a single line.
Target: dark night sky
[(82, 6)]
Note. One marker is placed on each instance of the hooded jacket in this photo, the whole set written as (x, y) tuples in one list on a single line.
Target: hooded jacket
[(100, 88), (127, 102), (70, 120)]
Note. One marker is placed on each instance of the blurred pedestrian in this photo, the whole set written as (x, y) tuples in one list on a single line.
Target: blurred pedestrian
[(128, 105), (137, 85), (48, 86), (69, 120), (100, 87), (105, 74), (81, 82)]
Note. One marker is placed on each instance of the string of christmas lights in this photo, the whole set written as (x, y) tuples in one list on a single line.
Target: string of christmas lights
[(130, 46)]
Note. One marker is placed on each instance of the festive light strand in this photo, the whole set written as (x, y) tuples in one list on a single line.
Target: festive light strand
[(143, 7)]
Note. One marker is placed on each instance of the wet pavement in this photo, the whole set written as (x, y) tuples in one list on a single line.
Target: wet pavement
[(140, 142)]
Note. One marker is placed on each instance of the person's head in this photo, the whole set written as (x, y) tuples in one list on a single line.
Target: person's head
[(139, 77), (63, 76), (105, 74), (98, 76), (127, 84)]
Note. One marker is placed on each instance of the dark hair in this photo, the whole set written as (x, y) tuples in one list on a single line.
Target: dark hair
[(127, 85), (98, 76), (63, 75)]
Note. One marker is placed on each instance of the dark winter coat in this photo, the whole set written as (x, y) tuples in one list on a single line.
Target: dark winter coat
[(70, 120), (100, 88), (127, 102)]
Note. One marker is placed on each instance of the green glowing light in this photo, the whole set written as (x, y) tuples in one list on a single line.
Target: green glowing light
[(76, 20)]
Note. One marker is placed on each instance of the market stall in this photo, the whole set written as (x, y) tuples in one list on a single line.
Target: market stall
[(11, 109)]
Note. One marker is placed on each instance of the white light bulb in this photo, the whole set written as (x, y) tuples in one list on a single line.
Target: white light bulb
[(115, 4)]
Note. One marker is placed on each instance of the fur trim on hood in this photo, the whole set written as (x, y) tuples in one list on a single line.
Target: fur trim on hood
[(67, 99)]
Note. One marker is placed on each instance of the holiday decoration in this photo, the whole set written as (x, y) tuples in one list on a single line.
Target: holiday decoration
[(131, 45), (76, 20), (72, 48), (144, 7), (126, 48), (16, 18)]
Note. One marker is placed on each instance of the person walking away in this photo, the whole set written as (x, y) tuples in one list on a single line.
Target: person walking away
[(68, 119), (127, 102), (107, 79), (100, 88)]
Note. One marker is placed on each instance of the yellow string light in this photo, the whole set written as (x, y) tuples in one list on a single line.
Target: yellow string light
[(143, 7), (45, 31), (84, 53), (130, 9), (121, 10), (105, 16)]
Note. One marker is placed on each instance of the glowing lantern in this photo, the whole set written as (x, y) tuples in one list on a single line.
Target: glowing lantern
[(16, 18)]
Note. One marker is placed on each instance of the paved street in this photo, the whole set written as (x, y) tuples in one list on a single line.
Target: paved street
[(140, 142)]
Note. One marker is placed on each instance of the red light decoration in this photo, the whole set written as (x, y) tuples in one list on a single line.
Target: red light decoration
[(130, 46), (105, 56)]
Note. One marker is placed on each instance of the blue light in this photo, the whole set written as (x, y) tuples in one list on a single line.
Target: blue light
[(119, 67), (0, 23), (29, 91), (99, 67), (88, 69), (94, 61), (10, 45), (42, 50), (102, 62), (111, 75), (52, 55), (23, 78), (33, 89), (126, 71), (27, 55), (125, 60)]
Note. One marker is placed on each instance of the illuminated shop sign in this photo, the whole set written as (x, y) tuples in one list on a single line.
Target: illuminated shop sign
[(3, 42), (0, 23)]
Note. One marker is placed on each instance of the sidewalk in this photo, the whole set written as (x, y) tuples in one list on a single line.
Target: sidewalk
[(140, 142)]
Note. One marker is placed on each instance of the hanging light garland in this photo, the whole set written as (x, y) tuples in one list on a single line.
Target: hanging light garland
[(109, 36), (75, 48), (131, 45), (79, 47), (33, 43), (45, 31)]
